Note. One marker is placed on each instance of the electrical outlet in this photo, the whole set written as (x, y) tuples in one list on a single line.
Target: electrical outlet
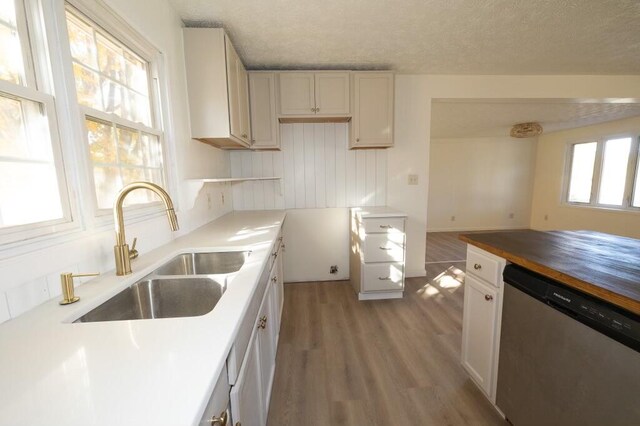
[(413, 179), (333, 269), (546, 217), (209, 201), (511, 215), (222, 196), (453, 218)]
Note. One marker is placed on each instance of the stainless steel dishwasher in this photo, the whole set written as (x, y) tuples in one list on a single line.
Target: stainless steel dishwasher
[(566, 358)]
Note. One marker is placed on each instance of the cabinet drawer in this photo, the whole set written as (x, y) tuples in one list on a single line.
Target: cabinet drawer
[(384, 248), (483, 266), (383, 225), (219, 400), (383, 277)]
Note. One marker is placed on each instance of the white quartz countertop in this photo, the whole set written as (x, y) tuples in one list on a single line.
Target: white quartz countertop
[(378, 212), (142, 372)]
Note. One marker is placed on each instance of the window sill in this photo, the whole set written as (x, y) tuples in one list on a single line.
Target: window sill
[(609, 209)]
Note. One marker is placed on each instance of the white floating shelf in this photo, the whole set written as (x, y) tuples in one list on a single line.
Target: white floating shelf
[(196, 185), (222, 180)]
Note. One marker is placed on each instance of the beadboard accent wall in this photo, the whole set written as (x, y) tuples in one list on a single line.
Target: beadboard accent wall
[(316, 170)]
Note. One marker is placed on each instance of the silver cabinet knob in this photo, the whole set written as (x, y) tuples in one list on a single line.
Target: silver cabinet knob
[(317, 109), (488, 297), (357, 139), (244, 135), (313, 110), (477, 266)]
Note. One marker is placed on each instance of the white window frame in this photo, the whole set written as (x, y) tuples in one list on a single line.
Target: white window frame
[(39, 87), (632, 171), (120, 30)]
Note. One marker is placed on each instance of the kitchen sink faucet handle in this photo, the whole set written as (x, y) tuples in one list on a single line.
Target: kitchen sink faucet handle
[(133, 253)]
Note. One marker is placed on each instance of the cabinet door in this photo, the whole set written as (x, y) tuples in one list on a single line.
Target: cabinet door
[(267, 341), (233, 82), (243, 102), (332, 93), (479, 331), (372, 110), (297, 96), (264, 122), (247, 405)]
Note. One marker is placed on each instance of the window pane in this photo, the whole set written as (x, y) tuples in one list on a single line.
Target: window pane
[(152, 150), (109, 76), (614, 171), (87, 87), (24, 130), (29, 193), (108, 183), (110, 59), (102, 142), (11, 60), (130, 147), (636, 185), (81, 42), (582, 163)]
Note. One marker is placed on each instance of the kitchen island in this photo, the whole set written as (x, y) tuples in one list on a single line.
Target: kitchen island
[(602, 265), (551, 332), (140, 372)]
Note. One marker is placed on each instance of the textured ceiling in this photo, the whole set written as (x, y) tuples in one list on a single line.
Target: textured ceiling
[(430, 36), (466, 119)]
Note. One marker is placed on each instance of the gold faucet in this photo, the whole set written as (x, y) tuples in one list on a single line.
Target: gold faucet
[(121, 250)]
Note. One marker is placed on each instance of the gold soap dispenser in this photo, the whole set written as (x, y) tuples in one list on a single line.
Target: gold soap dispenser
[(68, 292)]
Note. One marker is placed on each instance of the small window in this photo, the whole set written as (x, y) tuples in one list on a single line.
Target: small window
[(113, 87), (582, 164), (636, 184), (614, 171), (605, 173), (33, 192)]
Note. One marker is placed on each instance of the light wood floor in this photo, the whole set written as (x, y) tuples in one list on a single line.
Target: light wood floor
[(445, 247), (391, 362)]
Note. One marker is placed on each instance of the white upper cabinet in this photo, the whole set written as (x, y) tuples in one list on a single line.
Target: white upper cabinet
[(332, 93), (372, 124), (264, 121), (314, 94), (297, 95), (218, 89)]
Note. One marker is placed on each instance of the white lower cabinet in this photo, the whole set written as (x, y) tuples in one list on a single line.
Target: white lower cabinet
[(246, 395), (479, 321), (251, 391), (217, 410), (267, 334)]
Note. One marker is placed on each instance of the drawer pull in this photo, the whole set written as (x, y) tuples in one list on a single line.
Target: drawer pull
[(477, 266), (385, 248), (274, 279), (384, 278), (220, 421), (488, 297), (386, 226)]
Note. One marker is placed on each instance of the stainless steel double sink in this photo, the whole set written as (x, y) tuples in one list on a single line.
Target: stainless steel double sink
[(190, 284)]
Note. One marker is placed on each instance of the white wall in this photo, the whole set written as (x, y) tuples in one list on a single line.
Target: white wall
[(314, 240), (479, 183), (320, 179), (550, 169), (30, 275)]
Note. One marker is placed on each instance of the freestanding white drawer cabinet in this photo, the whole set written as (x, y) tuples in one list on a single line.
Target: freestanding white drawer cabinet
[(377, 252)]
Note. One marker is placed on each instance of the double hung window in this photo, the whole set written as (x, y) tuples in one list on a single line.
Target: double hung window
[(116, 91), (33, 190)]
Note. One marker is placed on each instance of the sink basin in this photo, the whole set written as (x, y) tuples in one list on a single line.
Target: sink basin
[(203, 263), (160, 298)]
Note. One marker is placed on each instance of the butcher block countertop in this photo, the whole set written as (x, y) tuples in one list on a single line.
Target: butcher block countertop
[(603, 265)]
